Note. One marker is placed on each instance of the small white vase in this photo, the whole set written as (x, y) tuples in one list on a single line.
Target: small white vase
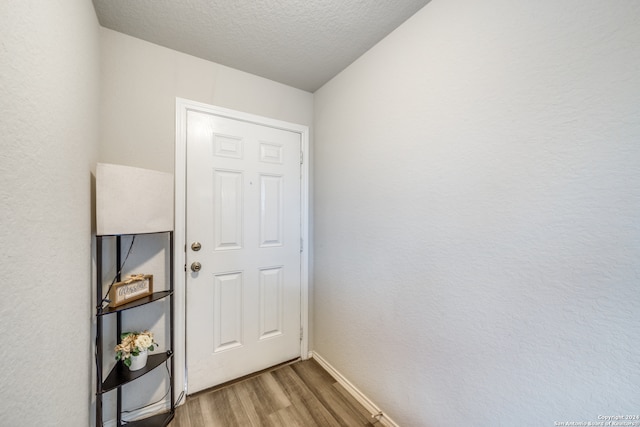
[(139, 361)]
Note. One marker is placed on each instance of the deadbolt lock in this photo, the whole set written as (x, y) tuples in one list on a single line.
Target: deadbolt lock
[(196, 246)]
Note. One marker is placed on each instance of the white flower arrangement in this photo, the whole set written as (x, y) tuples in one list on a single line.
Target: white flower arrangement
[(132, 344)]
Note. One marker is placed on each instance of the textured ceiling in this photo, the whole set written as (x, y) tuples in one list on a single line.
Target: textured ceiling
[(301, 43)]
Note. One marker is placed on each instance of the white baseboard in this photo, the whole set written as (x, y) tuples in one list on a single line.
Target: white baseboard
[(141, 413), (357, 394)]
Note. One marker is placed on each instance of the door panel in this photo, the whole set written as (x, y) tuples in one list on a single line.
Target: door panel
[(244, 207)]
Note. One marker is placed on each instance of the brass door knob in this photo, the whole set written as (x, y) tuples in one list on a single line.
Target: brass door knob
[(196, 266)]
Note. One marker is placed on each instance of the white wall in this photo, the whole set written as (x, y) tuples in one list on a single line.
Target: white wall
[(477, 192), (139, 85), (49, 76)]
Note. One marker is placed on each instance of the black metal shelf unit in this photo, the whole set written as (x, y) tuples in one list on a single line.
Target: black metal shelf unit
[(120, 374)]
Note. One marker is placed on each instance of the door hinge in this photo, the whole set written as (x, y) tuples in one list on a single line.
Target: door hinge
[(301, 333), (301, 157), (301, 245)]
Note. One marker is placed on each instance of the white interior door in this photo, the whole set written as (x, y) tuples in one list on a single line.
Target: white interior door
[(243, 208)]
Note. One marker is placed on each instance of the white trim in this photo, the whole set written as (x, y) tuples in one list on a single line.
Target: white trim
[(353, 391), (182, 106), (179, 238)]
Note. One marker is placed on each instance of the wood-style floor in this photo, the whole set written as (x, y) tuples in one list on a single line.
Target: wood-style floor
[(301, 394)]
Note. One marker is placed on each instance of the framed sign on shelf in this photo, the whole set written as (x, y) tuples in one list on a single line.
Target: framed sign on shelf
[(133, 288)]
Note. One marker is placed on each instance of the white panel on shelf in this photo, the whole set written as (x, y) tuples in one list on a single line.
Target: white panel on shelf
[(132, 200)]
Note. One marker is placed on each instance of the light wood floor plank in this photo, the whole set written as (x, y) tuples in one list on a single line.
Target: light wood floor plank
[(301, 394), (289, 417), (194, 414), (303, 399), (256, 408), (323, 386), (272, 390), (357, 406), (222, 408)]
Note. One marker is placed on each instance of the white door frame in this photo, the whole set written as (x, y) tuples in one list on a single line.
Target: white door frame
[(182, 106)]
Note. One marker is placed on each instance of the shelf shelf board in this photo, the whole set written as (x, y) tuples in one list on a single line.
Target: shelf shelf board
[(135, 234), (137, 303), (160, 420), (121, 375)]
